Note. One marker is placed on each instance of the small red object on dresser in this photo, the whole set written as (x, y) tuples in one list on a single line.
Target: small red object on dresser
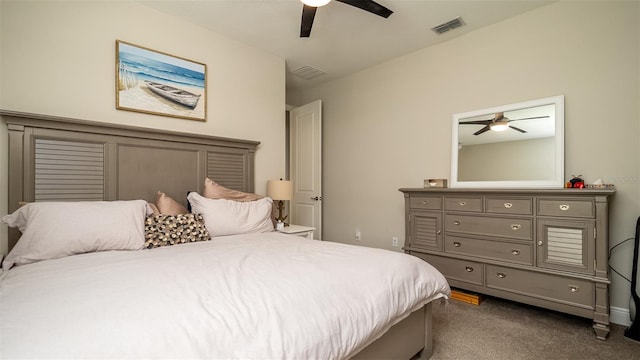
[(577, 182)]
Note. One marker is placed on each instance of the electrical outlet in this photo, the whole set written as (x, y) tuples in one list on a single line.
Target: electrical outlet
[(358, 238), (394, 241)]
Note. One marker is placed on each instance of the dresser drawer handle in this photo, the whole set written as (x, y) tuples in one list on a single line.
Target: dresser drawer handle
[(508, 205), (462, 203), (501, 275), (456, 244), (424, 202), (468, 268), (515, 252), (564, 207), (456, 222), (515, 227), (574, 288)]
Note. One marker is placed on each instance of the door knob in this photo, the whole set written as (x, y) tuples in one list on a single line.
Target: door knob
[(316, 198)]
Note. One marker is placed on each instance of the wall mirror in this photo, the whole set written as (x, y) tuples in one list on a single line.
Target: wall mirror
[(517, 145)]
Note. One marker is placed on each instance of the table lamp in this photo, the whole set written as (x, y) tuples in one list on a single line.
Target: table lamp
[(280, 190)]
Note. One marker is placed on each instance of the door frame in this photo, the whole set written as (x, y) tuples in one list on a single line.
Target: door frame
[(316, 111)]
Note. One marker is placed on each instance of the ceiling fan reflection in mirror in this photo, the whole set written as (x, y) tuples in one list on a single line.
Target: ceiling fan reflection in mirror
[(498, 123), (310, 7)]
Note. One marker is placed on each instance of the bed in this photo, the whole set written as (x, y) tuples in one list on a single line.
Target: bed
[(242, 294)]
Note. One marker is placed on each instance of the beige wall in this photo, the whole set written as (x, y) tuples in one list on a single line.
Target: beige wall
[(520, 160), (390, 126), (58, 58)]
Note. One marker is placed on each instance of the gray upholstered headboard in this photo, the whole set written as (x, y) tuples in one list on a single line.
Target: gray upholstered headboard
[(59, 159)]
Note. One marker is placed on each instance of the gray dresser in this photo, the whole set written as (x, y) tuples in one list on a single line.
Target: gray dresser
[(547, 248)]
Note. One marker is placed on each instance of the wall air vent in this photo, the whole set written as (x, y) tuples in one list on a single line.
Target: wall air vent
[(308, 72), (449, 25)]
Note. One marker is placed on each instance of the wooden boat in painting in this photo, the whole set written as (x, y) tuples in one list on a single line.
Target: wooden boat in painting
[(179, 96)]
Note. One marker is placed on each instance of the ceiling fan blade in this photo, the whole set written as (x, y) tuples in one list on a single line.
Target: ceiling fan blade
[(531, 118), (517, 129), (370, 6), (477, 122), (483, 130), (308, 14)]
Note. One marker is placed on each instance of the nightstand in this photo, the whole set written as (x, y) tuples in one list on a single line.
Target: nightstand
[(299, 230)]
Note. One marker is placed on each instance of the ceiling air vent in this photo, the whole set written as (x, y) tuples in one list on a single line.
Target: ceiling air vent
[(449, 25), (308, 72)]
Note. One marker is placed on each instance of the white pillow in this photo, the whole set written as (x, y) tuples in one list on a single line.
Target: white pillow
[(52, 230), (228, 217)]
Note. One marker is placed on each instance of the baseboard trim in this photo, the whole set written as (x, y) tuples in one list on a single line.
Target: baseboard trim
[(619, 316)]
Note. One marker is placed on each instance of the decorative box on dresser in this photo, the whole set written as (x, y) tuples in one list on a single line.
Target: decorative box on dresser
[(548, 248)]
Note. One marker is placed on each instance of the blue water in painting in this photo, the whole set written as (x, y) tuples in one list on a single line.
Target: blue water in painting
[(153, 70)]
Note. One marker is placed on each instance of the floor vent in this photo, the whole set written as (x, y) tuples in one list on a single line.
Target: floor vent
[(449, 25), (308, 72)]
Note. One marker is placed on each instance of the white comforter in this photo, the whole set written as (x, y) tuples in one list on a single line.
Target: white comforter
[(258, 296)]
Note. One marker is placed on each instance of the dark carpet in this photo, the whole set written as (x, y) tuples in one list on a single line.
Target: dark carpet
[(499, 329)]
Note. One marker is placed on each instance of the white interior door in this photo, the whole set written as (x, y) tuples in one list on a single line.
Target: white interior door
[(305, 134)]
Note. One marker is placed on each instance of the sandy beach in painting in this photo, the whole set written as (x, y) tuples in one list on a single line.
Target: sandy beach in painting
[(141, 98)]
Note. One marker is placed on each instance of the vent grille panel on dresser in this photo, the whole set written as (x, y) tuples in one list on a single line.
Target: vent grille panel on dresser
[(426, 232), (66, 170), (564, 245)]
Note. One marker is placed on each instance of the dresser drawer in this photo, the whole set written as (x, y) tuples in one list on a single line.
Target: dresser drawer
[(504, 205), (514, 228), (455, 269), (495, 250), (470, 203), (569, 208), (544, 286), (426, 202)]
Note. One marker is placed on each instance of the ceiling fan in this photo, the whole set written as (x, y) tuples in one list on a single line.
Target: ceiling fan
[(310, 7), (498, 123)]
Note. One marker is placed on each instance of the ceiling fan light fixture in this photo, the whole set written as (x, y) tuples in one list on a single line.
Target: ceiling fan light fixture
[(315, 3), (499, 126)]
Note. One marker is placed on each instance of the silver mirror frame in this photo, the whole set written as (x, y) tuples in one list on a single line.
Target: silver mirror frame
[(558, 178)]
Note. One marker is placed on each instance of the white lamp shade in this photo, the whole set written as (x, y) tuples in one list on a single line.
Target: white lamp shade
[(315, 3), (280, 189), (499, 126)]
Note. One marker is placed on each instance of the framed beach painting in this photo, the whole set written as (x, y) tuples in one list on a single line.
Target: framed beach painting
[(154, 82)]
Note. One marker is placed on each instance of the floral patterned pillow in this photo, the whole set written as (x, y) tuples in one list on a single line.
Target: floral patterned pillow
[(164, 230)]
